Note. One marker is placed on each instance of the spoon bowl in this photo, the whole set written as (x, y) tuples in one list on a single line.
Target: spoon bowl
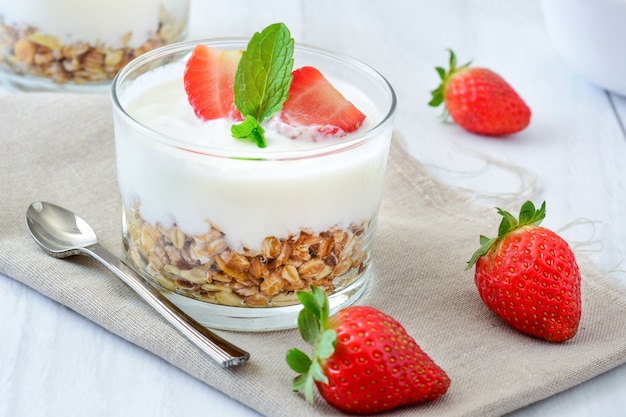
[(61, 233)]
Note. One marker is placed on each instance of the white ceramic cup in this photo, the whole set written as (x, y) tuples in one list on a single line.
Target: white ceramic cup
[(590, 35)]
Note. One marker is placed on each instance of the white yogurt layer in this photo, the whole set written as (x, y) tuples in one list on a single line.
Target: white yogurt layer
[(100, 22), (248, 200)]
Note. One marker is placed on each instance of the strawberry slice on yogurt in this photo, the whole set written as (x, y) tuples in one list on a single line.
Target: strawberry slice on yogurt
[(314, 101), (208, 79)]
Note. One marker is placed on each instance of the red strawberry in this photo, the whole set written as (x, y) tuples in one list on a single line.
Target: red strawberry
[(313, 101), (529, 277), (209, 77), (363, 360), (480, 101)]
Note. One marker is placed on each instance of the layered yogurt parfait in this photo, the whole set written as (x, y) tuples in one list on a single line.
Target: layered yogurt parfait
[(77, 45), (250, 170)]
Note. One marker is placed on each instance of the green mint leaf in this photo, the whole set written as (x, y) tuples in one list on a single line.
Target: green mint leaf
[(263, 76), (250, 129)]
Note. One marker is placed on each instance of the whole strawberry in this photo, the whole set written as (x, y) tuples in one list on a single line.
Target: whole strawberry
[(529, 277), (480, 101), (363, 360)]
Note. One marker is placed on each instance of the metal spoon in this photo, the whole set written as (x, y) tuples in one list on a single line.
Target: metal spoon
[(61, 233)]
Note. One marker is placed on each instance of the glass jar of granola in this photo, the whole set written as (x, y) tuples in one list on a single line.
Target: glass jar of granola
[(80, 45)]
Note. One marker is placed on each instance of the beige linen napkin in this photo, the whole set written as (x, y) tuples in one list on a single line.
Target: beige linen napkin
[(60, 148)]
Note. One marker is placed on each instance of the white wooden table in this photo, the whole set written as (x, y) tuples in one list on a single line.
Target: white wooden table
[(54, 362)]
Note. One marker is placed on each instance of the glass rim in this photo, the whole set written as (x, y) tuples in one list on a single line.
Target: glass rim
[(258, 153)]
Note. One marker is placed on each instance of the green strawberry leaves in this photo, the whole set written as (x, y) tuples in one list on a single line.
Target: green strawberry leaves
[(327, 343), (485, 244), (262, 80), (315, 303), (312, 324), (438, 94), (528, 216)]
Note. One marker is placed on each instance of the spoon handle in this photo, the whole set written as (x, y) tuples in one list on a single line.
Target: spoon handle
[(220, 350)]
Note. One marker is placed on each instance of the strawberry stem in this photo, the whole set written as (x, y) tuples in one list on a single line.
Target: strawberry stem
[(528, 216), (312, 324), (438, 94)]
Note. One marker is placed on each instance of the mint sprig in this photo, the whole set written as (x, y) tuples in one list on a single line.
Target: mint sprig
[(262, 80)]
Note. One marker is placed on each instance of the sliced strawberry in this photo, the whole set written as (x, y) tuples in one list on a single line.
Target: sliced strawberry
[(313, 101), (209, 77)]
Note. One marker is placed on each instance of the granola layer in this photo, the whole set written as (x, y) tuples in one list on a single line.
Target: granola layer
[(25, 50), (206, 268)]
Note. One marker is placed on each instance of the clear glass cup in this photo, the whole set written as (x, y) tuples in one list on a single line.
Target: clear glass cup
[(79, 46), (230, 236)]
